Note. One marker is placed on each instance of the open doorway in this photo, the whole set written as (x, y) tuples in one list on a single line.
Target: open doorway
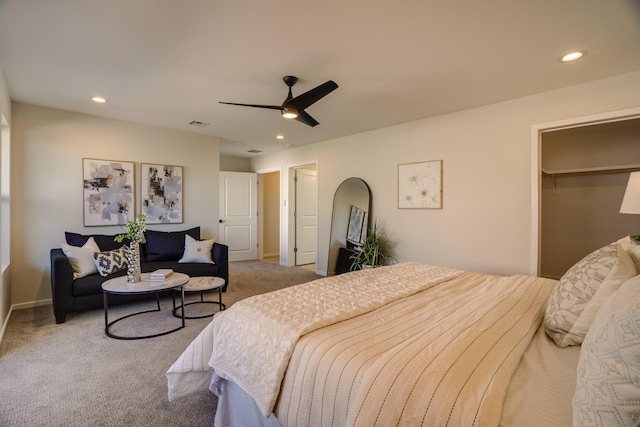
[(269, 227), (582, 187)]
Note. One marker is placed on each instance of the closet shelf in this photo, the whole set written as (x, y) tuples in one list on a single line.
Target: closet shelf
[(594, 170)]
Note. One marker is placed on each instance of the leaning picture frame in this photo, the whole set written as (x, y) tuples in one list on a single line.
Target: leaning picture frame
[(354, 231), (108, 192), (420, 185), (161, 193)]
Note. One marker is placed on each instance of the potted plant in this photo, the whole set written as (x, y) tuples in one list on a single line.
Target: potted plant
[(375, 251)]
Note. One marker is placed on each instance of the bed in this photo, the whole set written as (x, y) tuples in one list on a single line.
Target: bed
[(414, 344)]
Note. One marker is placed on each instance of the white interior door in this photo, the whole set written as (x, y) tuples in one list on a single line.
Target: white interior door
[(238, 214), (306, 216)]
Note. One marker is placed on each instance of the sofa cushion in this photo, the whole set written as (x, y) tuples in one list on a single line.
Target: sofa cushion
[(81, 257), (167, 245), (105, 242), (198, 251), (111, 261)]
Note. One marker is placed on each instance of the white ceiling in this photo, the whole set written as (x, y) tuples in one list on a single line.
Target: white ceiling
[(169, 62)]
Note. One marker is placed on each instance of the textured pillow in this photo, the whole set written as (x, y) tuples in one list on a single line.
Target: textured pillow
[(111, 261), (608, 385), (105, 242), (574, 291), (167, 246), (622, 271), (197, 251), (81, 258)]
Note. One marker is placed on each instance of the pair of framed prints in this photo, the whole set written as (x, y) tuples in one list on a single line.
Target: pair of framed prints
[(109, 196)]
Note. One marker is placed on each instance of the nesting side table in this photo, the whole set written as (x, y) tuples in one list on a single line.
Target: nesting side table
[(200, 284), (119, 285)]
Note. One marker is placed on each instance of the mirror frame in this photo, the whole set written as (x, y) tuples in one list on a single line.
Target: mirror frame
[(341, 213)]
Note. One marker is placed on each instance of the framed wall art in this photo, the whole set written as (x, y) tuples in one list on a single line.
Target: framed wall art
[(162, 193), (107, 192), (356, 218), (420, 185)]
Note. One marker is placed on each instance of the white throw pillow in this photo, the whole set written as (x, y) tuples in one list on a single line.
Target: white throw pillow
[(635, 256), (622, 271), (197, 251), (574, 291), (608, 384), (633, 249), (81, 258)]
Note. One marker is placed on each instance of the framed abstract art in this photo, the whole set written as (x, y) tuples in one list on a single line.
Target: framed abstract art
[(162, 193), (356, 219), (108, 194), (420, 185)]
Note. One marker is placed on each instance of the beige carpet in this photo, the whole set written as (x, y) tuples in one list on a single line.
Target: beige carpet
[(73, 375)]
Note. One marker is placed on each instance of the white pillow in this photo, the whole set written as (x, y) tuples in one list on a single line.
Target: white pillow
[(574, 291), (197, 251), (81, 258), (622, 271), (608, 384), (634, 252)]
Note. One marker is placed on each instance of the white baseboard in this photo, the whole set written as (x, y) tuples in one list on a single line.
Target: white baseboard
[(31, 304), (4, 325)]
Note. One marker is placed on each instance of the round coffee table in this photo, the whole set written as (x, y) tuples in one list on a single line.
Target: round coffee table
[(119, 285), (201, 284)]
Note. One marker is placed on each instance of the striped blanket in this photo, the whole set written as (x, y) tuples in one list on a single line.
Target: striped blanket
[(403, 345), (442, 357)]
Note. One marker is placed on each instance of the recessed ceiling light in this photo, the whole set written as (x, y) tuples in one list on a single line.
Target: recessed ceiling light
[(279, 136), (572, 56), (98, 100)]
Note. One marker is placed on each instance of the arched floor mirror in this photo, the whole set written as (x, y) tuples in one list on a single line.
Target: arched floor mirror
[(351, 209)]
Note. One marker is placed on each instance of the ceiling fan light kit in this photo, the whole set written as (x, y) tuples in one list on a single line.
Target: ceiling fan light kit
[(293, 107)]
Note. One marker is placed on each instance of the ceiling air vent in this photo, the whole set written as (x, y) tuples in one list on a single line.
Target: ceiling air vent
[(199, 124), (254, 151)]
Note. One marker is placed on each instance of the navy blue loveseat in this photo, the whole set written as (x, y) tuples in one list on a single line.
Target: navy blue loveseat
[(160, 250)]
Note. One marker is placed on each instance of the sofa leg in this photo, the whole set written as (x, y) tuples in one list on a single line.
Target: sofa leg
[(60, 317)]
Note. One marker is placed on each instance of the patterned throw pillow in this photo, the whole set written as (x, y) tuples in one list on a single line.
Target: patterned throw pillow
[(111, 261), (197, 251), (608, 385), (574, 291)]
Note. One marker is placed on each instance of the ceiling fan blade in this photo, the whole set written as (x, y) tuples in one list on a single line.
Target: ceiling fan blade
[(305, 118), (308, 98), (270, 107)]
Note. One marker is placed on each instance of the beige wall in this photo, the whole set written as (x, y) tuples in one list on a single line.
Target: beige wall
[(48, 148), (5, 279), (235, 164), (486, 221)]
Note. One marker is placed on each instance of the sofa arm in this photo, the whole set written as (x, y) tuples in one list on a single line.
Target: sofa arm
[(220, 255), (61, 284)]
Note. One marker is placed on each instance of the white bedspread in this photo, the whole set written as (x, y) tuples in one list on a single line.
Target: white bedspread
[(442, 357), (408, 344), (254, 340)]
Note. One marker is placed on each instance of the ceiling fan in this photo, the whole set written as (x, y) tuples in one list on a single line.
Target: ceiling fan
[(293, 108)]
